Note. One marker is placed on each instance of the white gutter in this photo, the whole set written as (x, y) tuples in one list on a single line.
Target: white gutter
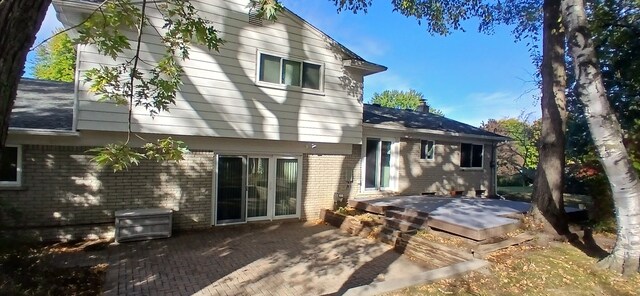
[(42, 132), (401, 128)]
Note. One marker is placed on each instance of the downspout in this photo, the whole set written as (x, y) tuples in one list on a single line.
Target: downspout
[(494, 171)]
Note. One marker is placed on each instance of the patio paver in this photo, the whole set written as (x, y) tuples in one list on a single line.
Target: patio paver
[(277, 259)]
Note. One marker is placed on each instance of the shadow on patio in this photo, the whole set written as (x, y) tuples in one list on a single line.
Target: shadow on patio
[(279, 259)]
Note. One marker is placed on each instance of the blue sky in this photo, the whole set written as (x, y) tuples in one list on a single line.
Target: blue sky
[(470, 76)]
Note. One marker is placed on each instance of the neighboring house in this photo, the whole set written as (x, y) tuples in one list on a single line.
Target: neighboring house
[(263, 147)]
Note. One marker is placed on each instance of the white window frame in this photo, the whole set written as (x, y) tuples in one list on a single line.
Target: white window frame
[(433, 147), (281, 85), (18, 181), (482, 157), (393, 174), (271, 200)]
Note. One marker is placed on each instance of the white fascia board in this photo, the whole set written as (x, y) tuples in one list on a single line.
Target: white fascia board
[(42, 132), (399, 128)]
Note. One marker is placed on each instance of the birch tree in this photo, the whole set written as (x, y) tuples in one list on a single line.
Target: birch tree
[(608, 139)]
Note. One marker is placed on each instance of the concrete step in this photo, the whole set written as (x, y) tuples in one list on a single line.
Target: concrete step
[(402, 225)]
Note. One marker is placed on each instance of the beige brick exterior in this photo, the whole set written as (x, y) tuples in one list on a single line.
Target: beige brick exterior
[(326, 175), (65, 196), (442, 174)]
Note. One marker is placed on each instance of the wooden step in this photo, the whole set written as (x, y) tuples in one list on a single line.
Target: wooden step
[(472, 233), (367, 207), (483, 250), (403, 225), (414, 217)]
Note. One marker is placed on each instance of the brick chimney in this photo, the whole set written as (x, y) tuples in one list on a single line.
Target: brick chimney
[(423, 107)]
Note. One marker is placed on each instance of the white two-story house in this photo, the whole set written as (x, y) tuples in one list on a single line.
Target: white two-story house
[(275, 123)]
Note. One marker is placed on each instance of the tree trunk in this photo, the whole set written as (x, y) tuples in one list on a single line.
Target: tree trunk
[(547, 200), (20, 20), (607, 136)]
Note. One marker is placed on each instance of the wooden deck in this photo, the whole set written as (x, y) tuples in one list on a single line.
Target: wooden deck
[(474, 218)]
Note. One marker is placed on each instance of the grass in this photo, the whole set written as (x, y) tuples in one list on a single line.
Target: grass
[(27, 269), (559, 269), (524, 194)]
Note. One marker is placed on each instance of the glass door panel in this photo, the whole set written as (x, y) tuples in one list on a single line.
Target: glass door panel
[(230, 206), (257, 187), (286, 199), (371, 171), (385, 164)]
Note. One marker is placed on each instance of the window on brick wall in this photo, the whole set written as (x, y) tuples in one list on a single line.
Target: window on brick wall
[(471, 155), (11, 166), (426, 149)]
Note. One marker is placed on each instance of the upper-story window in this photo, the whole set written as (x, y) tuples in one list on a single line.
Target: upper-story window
[(471, 155), (283, 71)]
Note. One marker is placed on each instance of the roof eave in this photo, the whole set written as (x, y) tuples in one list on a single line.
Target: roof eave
[(367, 68), (42, 132), (401, 128)]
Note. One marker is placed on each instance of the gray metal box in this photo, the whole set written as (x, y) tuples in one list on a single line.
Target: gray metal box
[(141, 224)]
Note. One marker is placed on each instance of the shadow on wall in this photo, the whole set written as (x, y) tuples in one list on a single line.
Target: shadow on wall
[(441, 175), (63, 190), (65, 196)]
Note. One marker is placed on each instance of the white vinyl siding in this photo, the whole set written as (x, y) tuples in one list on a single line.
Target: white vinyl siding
[(222, 95)]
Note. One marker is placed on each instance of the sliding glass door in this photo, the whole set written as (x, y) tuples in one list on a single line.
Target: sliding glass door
[(257, 187), (253, 188), (378, 173), (286, 197), (230, 207)]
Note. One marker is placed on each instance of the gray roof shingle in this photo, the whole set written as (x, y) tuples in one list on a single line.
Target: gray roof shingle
[(375, 114), (43, 104)]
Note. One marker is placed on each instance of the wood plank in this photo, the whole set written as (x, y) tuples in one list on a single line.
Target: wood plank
[(483, 250)]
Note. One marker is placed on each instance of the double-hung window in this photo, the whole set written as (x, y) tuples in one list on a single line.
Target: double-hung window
[(471, 155), (11, 166), (290, 72), (427, 149)]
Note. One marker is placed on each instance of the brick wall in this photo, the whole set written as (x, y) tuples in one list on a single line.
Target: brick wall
[(441, 174), (65, 196), (325, 175)]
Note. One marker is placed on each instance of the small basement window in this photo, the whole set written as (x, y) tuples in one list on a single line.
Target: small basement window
[(471, 155), (11, 166), (290, 72)]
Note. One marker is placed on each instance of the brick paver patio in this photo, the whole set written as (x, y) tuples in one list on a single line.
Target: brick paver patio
[(277, 259)]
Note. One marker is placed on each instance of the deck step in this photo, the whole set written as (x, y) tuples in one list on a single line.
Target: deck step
[(402, 225), (363, 205), (411, 216), (388, 236), (478, 234)]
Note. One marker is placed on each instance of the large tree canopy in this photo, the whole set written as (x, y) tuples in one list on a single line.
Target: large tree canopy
[(400, 99), (56, 59), (518, 157)]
